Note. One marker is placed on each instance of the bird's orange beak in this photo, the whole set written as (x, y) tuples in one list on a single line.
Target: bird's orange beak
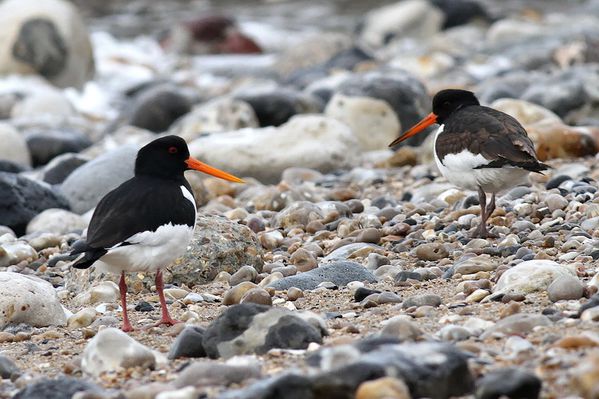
[(417, 128), (193, 163)]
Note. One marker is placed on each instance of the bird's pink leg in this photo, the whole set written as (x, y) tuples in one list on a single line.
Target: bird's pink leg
[(123, 289), (166, 317)]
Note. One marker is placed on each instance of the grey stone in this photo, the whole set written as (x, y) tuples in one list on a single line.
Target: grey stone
[(509, 383), (188, 343), (22, 199), (59, 168), (86, 185), (422, 300), (156, 108), (250, 328), (518, 324), (47, 144), (339, 273), (58, 388), (7, 367), (203, 373), (564, 288)]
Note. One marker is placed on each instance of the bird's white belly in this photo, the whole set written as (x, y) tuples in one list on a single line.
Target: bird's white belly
[(149, 251), (460, 169)]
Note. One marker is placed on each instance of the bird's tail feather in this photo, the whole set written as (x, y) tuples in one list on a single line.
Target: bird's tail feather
[(87, 255), (88, 258)]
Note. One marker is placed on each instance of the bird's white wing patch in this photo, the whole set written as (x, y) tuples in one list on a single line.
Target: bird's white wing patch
[(189, 196)]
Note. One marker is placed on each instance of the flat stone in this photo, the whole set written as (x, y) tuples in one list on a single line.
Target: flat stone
[(339, 273)]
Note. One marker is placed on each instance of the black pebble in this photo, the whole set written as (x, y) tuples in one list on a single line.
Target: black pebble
[(144, 307)]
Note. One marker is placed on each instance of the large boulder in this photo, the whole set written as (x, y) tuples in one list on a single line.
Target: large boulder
[(218, 245), (86, 185), (309, 141), (47, 38), (23, 198), (29, 300)]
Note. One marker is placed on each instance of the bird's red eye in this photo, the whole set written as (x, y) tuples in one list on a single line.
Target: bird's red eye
[(172, 150)]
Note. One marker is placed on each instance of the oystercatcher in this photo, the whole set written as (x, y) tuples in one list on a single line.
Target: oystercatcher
[(478, 148), (147, 222)]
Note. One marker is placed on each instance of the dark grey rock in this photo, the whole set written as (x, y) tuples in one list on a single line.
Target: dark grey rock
[(432, 370), (288, 386), (406, 95), (511, 383), (233, 322), (218, 245), (58, 388), (41, 46), (46, 145), (23, 198), (363, 292), (290, 332), (234, 332), (273, 108), (561, 94), (339, 273), (7, 367), (460, 12), (406, 274), (556, 181), (188, 343), (11, 167), (144, 306), (59, 168), (156, 108)]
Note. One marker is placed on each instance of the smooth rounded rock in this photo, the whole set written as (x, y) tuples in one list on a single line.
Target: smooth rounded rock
[(29, 300), (86, 185), (57, 221), (257, 295), (303, 260), (383, 388), (47, 38), (14, 147), (245, 273), (188, 343), (23, 198), (565, 288), (234, 295), (508, 382), (431, 251), (309, 141), (112, 350)]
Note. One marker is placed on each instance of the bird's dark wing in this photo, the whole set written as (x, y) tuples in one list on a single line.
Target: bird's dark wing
[(497, 136), (140, 204)]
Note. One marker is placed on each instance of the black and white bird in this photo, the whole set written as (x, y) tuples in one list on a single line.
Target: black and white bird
[(148, 221), (478, 148)]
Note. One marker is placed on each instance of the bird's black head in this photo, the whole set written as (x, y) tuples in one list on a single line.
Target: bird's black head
[(448, 101), (168, 157), (163, 157)]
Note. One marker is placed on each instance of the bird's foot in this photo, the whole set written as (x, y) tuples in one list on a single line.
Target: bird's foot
[(167, 321), (482, 232), (127, 327)]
